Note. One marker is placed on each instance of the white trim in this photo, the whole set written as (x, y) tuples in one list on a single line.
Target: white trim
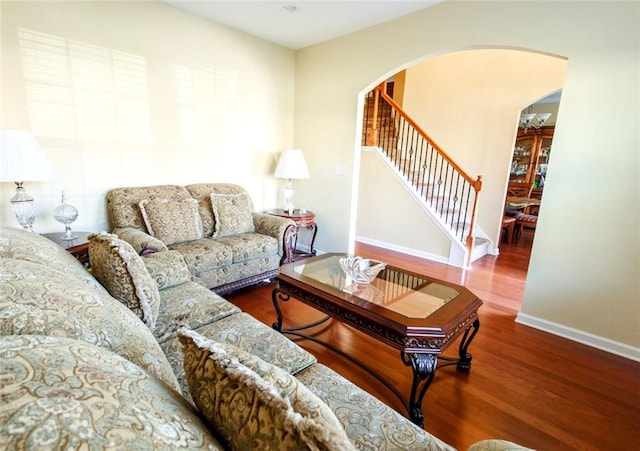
[(595, 341), (402, 249)]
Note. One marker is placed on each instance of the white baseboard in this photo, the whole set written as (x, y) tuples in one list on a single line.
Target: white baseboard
[(580, 336), (402, 249)]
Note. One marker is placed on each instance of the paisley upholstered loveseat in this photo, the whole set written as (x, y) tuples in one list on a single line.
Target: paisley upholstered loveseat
[(225, 244), (135, 355)]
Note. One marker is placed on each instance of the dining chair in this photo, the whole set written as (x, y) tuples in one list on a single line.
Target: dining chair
[(526, 221), (517, 189), (508, 228)]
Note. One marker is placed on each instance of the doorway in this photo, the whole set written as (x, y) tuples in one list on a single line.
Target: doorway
[(528, 169)]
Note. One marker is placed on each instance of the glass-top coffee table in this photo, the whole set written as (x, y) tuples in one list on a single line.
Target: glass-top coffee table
[(416, 314)]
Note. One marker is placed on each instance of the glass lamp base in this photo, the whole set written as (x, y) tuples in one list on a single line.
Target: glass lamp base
[(289, 194), (22, 206)]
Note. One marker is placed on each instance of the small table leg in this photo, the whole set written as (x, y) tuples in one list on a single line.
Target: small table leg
[(424, 369), (464, 364)]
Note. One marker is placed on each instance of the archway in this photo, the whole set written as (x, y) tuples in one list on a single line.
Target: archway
[(469, 102)]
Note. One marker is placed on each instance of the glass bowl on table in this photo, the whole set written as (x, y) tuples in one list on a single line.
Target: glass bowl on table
[(361, 270)]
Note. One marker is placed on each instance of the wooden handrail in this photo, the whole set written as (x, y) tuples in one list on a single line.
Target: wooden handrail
[(476, 183)]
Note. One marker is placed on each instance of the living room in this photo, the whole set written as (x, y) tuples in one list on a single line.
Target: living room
[(154, 126)]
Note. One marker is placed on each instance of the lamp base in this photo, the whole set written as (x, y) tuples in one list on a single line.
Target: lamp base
[(22, 206), (289, 193)]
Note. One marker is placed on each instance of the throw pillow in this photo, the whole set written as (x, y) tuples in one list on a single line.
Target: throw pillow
[(172, 221), (122, 272), (255, 405), (59, 393), (36, 300), (233, 214)]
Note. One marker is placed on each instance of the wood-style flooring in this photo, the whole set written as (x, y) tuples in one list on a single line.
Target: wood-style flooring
[(525, 385)]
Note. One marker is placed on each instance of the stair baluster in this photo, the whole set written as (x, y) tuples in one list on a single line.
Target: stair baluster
[(437, 179)]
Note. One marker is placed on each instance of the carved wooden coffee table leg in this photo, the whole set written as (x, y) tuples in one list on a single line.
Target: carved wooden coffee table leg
[(424, 369), (464, 364)]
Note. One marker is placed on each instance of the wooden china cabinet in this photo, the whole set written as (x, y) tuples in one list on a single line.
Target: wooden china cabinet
[(531, 158)]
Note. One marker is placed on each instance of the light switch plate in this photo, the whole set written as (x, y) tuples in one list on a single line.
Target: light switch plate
[(340, 170)]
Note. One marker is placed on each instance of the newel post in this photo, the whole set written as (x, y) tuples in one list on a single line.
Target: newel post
[(477, 186)]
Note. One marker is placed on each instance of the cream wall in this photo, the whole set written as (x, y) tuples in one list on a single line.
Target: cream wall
[(469, 103), (583, 275), (136, 93), (382, 201)]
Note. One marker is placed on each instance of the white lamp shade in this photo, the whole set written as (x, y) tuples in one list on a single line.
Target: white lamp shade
[(22, 159), (292, 165)]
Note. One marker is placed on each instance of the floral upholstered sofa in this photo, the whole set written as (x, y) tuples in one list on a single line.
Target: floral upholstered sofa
[(135, 355), (225, 244)]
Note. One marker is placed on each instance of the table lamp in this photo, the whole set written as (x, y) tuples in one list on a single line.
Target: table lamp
[(22, 160), (291, 165)]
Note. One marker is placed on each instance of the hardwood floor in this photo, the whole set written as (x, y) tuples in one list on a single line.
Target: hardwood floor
[(526, 386)]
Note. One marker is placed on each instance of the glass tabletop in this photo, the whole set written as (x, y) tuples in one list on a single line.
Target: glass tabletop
[(405, 293)]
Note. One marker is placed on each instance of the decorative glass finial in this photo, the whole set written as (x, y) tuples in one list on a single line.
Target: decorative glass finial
[(66, 214)]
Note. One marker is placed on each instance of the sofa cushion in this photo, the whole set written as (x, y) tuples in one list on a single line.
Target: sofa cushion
[(249, 246), (60, 393), (189, 305), (496, 445), (247, 333), (203, 255), (172, 221), (253, 404), (369, 423), (167, 268), (35, 300), (123, 273), (233, 214)]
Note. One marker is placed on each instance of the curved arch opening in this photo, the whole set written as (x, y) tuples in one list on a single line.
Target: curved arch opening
[(469, 101)]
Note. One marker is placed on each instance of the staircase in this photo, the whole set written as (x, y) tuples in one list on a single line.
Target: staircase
[(438, 184)]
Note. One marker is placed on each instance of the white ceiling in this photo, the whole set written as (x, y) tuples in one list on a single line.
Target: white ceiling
[(310, 22)]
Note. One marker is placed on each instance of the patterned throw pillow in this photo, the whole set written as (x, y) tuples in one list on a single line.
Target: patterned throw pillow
[(233, 214), (36, 300), (255, 405), (122, 272), (60, 393), (172, 221)]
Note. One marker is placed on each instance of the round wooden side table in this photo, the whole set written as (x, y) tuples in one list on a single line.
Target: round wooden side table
[(78, 247), (304, 221)]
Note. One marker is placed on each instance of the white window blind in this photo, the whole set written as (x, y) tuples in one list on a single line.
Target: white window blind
[(81, 91)]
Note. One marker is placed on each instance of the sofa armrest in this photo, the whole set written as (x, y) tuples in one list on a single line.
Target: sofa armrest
[(140, 241), (274, 226)]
